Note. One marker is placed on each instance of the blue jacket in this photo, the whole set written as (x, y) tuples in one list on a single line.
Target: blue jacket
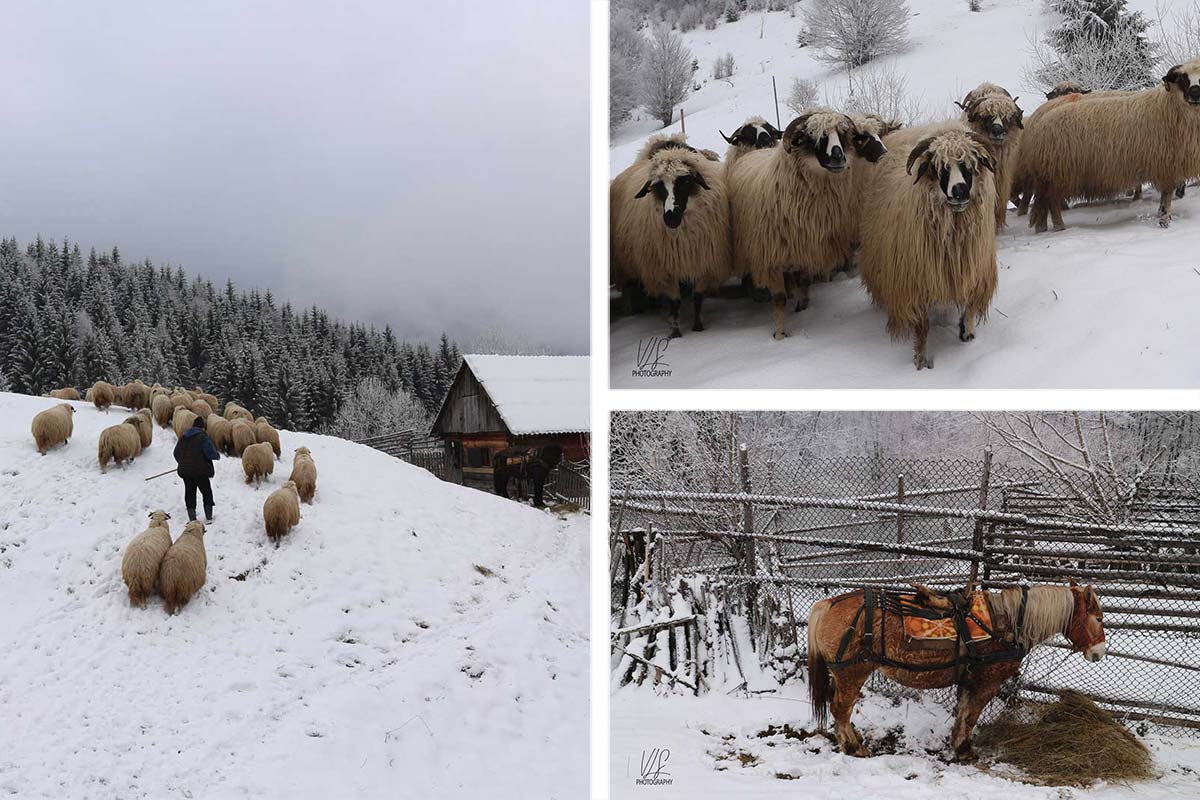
[(195, 454)]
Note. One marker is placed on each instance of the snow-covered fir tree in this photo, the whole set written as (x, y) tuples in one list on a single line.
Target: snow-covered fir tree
[(70, 321)]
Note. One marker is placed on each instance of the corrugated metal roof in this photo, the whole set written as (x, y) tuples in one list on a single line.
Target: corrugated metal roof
[(537, 394)]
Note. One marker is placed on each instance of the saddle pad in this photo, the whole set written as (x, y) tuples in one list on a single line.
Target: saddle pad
[(935, 629)]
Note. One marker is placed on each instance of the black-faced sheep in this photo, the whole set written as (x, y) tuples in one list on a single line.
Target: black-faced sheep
[(753, 134), (220, 432), (120, 444), (669, 216), (791, 206), (160, 406), (144, 426), (143, 558), (234, 411), (281, 511), (304, 474), (68, 393), (932, 240), (264, 432), (241, 436), (184, 568), (182, 420), (1100, 147), (53, 426), (103, 395), (258, 462), (994, 114)]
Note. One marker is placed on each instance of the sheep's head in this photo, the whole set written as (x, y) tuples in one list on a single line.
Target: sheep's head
[(1185, 78), (674, 176), (952, 160), (755, 133), (1066, 87), (867, 135), (195, 527), (70, 408), (993, 115), (159, 518), (820, 134), (303, 451)]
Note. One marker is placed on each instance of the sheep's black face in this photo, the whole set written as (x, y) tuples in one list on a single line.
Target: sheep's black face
[(760, 137), (1179, 78), (955, 182), (829, 152), (868, 146), (674, 195)]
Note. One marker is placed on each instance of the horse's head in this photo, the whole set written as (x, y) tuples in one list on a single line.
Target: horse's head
[(1086, 628)]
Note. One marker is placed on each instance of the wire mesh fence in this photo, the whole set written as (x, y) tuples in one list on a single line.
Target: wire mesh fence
[(790, 534)]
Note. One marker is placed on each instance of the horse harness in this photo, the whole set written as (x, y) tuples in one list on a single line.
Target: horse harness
[(898, 605)]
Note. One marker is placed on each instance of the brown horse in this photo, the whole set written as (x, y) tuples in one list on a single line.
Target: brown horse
[(841, 658)]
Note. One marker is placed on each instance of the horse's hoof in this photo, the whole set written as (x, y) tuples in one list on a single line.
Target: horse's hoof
[(697, 327), (675, 334)]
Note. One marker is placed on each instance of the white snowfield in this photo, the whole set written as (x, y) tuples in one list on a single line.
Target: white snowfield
[(733, 746), (367, 656), (1108, 303)]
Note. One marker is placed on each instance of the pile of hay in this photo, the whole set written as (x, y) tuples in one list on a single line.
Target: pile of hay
[(1070, 742)]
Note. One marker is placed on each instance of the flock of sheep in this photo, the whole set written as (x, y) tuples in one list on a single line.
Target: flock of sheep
[(788, 208), (152, 562)]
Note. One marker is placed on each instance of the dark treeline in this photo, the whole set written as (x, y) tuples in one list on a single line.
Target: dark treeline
[(70, 320)]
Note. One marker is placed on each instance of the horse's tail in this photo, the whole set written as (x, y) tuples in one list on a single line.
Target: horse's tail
[(820, 684)]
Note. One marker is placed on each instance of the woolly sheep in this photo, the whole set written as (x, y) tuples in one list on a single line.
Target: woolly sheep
[(219, 431), (264, 432), (993, 113), (53, 426), (181, 421), (181, 399), (211, 399), (304, 474), (144, 426), (162, 409), (753, 134), (201, 409), (68, 393), (281, 511), (258, 462), (103, 395), (87, 396), (183, 568), (791, 206), (241, 436), (932, 240), (234, 411), (669, 215), (1100, 147), (136, 395), (143, 558), (119, 444)]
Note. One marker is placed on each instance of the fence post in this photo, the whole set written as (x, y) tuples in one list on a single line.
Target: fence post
[(977, 541), (900, 521), (748, 549)]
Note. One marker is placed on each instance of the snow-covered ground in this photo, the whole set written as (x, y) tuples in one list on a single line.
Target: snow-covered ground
[(1108, 303), (409, 638), (722, 746)]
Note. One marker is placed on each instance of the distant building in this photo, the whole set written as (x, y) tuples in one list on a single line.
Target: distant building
[(503, 401)]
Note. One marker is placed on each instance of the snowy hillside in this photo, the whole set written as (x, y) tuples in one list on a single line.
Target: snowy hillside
[(1108, 303), (409, 638)]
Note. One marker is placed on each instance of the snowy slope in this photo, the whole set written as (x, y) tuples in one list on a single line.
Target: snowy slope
[(733, 746), (366, 656), (1108, 303)]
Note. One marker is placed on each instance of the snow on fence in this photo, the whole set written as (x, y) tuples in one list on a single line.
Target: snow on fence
[(571, 482), (426, 452), (766, 550)]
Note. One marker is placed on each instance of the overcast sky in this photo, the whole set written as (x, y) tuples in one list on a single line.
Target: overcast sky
[(419, 164)]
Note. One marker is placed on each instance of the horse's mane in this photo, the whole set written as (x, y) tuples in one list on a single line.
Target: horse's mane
[(1047, 612)]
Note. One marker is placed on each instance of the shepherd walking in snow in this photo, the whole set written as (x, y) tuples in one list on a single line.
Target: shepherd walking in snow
[(195, 454)]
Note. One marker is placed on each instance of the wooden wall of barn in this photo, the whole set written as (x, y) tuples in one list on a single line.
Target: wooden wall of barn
[(467, 408)]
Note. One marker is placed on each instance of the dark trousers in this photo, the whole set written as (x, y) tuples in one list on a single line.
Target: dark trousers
[(190, 485)]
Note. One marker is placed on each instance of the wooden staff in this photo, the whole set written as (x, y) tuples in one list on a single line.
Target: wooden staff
[(159, 475)]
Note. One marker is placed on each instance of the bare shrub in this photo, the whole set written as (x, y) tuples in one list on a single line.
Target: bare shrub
[(723, 67), (666, 74), (882, 89), (802, 95), (689, 18), (854, 32), (1178, 33)]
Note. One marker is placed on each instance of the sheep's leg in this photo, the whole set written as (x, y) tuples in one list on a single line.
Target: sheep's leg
[(1023, 202), (1037, 219), (1164, 206), (697, 302), (1056, 216), (789, 283), (803, 282), (1180, 190), (1137, 193), (920, 336), (966, 327), (775, 284), (673, 304)]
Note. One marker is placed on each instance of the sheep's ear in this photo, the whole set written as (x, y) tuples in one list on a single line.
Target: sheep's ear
[(1085, 91), (1050, 95), (986, 163), (776, 134), (916, 153), (642, 192), (1173, 74), (700, 179), (168, 516), (921, 170)]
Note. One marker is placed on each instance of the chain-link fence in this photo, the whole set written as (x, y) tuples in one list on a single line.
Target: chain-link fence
[(790, 535)]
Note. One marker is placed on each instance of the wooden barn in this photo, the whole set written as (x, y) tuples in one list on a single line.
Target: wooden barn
[(502, 401)]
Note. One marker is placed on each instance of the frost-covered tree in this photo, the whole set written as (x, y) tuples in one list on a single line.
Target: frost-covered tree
[(374, 409), (666, 74), (1099, 43), (626, 45), (851, 33)]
